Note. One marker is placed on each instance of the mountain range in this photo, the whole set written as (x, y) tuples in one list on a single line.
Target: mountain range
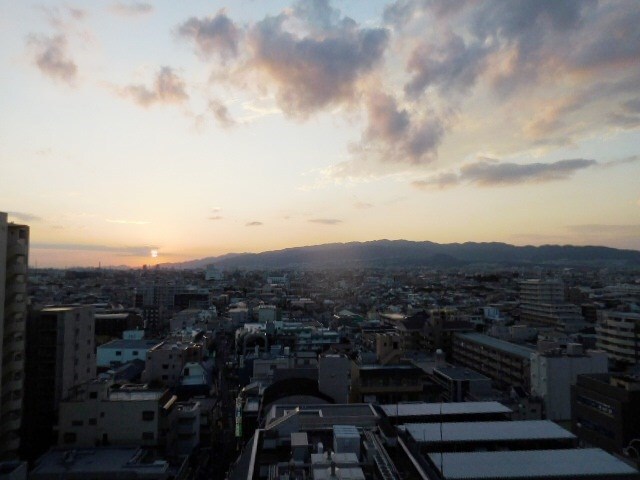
[(404, 253)]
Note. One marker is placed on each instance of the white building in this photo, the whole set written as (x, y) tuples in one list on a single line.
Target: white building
[(118, 352), (554, 371)]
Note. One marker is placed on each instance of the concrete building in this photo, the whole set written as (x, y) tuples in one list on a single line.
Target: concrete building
[(14, 255), (117, 352), (188, 427), (60, 355), (334, 376), (460, 384), (604, 412), (507, 364), (165, 361), (101, 412), (386, 383), (554, 371), (618, 334)]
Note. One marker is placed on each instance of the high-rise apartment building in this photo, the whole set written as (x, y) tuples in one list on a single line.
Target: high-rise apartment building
[(60, 356), (542, 303), (14, 252)]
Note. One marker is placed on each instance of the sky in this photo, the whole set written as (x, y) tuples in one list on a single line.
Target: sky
[(136, 132)]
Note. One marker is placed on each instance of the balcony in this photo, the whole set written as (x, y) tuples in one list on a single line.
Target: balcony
[(17, 249), (15, 326), (11, 422)]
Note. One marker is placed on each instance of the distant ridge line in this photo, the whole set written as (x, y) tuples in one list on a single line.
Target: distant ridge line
[(406, 253)]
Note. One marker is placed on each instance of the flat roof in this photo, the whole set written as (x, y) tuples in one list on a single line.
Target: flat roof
[(460, 373), (130, 344), (487, 431), (564, 463), (518, 350), (455, 408), (95, 461)]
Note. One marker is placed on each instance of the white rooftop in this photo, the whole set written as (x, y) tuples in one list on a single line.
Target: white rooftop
[(531, 464), (487, 431), (455, 408)]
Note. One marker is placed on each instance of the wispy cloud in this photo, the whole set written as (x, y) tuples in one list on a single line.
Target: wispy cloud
[(131, 9), (128, 222), (254, 224), (326, 221), (490, 172), (24, 217), (221, 113), (363, 205), (135, 251), (215, 217)]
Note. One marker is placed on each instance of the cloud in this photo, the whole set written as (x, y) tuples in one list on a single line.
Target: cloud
[(394, 135), (491, 172), (452, 65), (134, 251), (621, 161), (317, 69), (216, 35), (254, 224), (131, 9), (215, 217), (599, 229), (363, 205), (326, 221), (24, 217), (51, 57), (221, 113), (168, 88), (128, 222)]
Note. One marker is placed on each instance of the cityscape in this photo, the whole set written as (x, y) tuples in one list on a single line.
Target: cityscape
[(320, 240)]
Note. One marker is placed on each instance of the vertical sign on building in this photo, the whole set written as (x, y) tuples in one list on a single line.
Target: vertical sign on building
[(238, 416)]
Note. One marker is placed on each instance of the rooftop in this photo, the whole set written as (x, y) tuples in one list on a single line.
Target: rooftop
[(518, 350), (531, 464), (130, 344), (456, 408), (487, 431)]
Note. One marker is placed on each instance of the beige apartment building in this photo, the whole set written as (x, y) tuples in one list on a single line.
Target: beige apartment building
[(165, 361), (100, 412), (14, 254), (618, 334)]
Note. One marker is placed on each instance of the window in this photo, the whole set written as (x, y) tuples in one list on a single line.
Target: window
[(69, 437), (165, 377), (148, 435), (93, 394), (77, 423), (93, 421), (135, 353), (118, 353), (101, 414), (165, 366), (148, 415)]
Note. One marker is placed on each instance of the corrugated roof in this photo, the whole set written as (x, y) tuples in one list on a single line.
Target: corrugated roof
[(487, 431), (564, 463), (455, 408)]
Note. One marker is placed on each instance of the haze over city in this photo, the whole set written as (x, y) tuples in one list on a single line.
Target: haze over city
[(138, 133)]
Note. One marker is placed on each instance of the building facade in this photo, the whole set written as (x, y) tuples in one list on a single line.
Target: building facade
[(14, 254), (618, 334)]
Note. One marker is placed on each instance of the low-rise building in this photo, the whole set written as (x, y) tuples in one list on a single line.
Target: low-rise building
[(117, 352)]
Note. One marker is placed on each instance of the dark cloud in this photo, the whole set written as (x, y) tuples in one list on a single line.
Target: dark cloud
[(491, 172), (317, 70), (216, 35), (168, 88), (131, 9), (254, 224), (394, 135), (451, 65), (52, 58), (221, 113), (24, 217), (326, 221), (318, 13)]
